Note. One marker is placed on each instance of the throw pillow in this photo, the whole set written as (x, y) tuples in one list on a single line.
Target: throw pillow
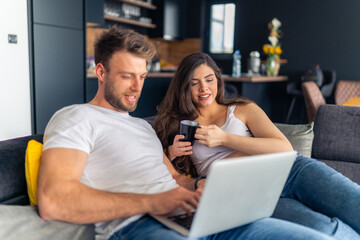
[(32, 164), (300, 136)]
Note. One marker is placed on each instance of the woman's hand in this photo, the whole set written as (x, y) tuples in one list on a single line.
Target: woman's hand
[(211, 135), (179, 148)]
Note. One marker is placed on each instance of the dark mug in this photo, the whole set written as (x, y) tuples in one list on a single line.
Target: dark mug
[(188, 129)]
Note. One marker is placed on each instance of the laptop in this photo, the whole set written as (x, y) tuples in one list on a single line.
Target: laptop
[(237, 191)]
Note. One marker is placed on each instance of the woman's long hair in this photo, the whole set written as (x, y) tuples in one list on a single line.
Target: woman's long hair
[(177, 105)]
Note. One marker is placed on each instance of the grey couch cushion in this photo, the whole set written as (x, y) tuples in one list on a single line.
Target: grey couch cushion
[(23, 222), (337, 133), (299, 135), (12, 170)]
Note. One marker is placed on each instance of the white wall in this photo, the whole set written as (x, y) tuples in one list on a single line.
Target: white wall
[(15, 111)]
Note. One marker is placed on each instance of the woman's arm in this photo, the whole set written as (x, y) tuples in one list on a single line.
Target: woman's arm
[(267, 137), (183, 180)]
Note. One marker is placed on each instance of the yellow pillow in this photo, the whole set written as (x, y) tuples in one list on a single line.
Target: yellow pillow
[(32, 164)]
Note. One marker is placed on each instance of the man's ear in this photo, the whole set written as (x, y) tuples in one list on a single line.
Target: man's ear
[(100, 71)]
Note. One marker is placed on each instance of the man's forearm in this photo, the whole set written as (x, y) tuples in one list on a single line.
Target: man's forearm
[(77, 203)]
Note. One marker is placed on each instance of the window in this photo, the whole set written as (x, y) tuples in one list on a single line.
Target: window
[(222, 23)]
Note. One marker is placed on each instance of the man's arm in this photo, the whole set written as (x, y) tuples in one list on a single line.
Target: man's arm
[(181, 179), (62, 197)]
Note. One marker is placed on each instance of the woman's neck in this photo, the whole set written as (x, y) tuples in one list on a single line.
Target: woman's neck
[(213, 114)]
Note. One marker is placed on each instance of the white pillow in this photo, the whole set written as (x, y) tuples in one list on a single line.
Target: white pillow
[(300, 136)]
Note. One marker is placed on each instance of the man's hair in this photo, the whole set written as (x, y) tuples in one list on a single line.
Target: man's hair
[(126, 40)]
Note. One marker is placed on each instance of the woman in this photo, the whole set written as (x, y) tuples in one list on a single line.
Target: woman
[(239, 127)]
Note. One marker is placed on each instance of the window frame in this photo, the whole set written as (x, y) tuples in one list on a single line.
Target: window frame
[(207, 35)]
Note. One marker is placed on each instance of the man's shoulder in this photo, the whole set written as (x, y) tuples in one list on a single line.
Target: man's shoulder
[(75, 110), (69, 115), (70, 108), (141, 121)]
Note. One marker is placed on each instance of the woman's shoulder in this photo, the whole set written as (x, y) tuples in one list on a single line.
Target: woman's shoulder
[(241, 107), (243, 111)]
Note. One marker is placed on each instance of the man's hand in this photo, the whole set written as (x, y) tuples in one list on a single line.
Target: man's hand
[(179, 148), (166, 202), (210, 136)]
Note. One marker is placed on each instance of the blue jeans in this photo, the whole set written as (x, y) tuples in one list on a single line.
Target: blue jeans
[(317, 203), (146, 228), (326, 200)]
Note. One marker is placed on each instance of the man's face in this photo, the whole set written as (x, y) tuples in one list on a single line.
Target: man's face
[(124, 81)]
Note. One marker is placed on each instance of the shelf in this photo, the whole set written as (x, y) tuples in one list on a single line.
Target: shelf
[(149, 75), (226, 78), (129, 21), (255, 78), (140, 4), (160, 75)]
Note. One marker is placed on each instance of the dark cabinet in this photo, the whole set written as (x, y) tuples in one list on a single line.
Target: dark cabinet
[(130, 13), (58, 57), (170, 19), (64, 13), (94, 11)]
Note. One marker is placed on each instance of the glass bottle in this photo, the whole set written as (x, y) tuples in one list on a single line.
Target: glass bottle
[(236, 69)]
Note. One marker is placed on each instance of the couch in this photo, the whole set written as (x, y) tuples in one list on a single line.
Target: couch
[(334, 138)]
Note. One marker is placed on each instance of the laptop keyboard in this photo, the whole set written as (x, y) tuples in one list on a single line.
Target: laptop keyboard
[(183, 220)]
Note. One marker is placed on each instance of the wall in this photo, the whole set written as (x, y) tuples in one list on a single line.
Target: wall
[(15, 105), (174, 51), (323, 32)]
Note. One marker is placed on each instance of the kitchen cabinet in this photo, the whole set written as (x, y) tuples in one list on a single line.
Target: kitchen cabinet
[(64, 13), (94, 11), (170, 19), (129, 12), (57, 53)]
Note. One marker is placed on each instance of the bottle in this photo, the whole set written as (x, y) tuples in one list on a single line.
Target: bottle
[(236, 69), (254, 62)]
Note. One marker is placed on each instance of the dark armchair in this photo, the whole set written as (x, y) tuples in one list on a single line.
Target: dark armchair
[(295, 89)]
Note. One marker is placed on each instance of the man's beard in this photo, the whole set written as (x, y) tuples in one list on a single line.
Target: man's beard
[(115, 100)]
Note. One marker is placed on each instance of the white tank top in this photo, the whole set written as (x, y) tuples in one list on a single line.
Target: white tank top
[(203, 156)]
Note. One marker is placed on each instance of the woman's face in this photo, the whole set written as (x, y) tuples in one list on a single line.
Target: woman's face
[(203, 86)]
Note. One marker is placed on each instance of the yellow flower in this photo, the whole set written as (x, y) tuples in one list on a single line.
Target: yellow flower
[(271, 50), (266, 49), (278, 50)]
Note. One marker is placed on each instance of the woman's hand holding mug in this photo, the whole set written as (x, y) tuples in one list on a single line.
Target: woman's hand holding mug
[(179, 148), (210, 136)]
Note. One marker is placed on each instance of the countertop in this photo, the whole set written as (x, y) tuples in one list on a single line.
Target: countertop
[(227, 78)]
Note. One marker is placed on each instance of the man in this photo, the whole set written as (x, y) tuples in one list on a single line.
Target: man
[(100, 165)]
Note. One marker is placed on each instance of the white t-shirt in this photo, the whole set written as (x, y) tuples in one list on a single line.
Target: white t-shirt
[(124, 153)]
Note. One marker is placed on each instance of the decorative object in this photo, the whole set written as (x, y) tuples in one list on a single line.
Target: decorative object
[(273, 50)]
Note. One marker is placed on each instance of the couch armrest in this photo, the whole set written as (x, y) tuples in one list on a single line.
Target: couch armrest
[(13, 188), (337, 133), (23, 222)]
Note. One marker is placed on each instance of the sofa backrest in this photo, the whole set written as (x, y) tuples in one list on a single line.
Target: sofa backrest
[(337, 133), (13, 188), (337, 139)]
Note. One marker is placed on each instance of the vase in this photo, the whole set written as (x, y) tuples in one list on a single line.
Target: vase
[(272, 66)]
